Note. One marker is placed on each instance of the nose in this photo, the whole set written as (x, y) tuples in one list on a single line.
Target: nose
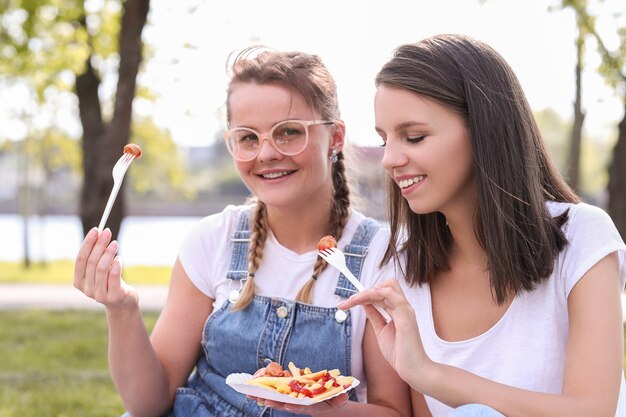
[(393, 156), (267, 152)]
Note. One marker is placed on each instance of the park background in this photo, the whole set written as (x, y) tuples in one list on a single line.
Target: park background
[(79, 79)]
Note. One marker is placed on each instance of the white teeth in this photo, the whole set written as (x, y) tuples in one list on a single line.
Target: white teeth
[(275, 174), (410, 181)]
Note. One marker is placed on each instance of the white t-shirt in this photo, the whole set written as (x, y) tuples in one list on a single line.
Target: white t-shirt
[(206, 253), (526, 348)]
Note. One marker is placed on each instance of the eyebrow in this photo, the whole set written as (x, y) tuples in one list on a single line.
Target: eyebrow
[(410, 123), (404, 125), (256, 129), (302, 119)]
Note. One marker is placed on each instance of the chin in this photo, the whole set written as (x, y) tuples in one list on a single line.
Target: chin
[(420, 208), (276, 199)]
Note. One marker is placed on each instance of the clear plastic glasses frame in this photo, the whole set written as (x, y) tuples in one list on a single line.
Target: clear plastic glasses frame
[(288, 137)]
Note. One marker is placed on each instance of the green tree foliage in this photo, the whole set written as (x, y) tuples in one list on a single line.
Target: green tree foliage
[(554, 130), (61, 152), (57, 46), (41, 43), (613, 68), (595, 153), (159, 173)]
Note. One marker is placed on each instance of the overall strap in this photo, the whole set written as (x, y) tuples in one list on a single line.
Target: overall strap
[(355, 253), (241, 239)]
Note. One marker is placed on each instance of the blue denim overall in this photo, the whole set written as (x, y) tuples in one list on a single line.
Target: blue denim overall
[(269, 329)]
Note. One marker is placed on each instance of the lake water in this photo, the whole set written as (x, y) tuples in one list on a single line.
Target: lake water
[(143, 240)]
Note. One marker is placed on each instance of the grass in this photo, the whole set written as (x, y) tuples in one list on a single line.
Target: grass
[(54, 364), (62, 272)]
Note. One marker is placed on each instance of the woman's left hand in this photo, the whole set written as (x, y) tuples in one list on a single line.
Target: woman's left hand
[(328, 407)]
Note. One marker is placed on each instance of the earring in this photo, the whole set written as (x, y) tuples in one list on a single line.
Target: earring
[(333, 156)]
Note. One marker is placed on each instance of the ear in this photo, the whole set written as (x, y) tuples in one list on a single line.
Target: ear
[(338, 136)]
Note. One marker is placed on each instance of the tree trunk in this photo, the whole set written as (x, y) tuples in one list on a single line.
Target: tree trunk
[(573, 163), (103, 142), (25, 204), (617, 179)]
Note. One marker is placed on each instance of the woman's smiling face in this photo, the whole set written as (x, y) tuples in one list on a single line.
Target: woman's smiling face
[(427, 150), (276, 179)]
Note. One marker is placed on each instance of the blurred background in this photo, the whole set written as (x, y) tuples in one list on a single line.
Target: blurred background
[(80, 79)]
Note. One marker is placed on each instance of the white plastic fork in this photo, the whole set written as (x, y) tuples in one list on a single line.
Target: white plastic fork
[(337, 259), (119, 169)]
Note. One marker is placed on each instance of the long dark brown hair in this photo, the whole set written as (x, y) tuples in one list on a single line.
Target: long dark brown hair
[(514, 174), (307, 75)]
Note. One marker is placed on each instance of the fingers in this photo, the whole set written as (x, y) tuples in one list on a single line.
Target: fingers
[(80, 264), (338, 401), (94, 262), (367, 299), (259, 401), (114, 283), (263, 402), (277, 405), (103, 270), (370, 295), (98, 270), (324, 406), (392, 294), (388, 295), (374, 316)]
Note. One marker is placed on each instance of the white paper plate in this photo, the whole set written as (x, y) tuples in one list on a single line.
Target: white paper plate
[(238, 383)]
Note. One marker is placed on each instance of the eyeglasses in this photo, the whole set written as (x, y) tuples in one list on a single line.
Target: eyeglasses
[(288, 137)]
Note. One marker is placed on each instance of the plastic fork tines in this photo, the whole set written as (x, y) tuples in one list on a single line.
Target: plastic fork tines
[(119, 169)]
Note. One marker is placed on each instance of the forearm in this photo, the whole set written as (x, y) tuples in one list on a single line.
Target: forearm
[(135, 368), (455, 387)]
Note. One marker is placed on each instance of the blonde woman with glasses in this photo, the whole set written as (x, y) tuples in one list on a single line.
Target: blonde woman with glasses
[(248, 287)]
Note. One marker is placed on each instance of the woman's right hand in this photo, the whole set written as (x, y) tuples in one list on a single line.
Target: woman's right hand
[(399, 340), (97, 272)]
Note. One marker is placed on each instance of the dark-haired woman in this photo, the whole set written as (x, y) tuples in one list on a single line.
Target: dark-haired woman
[(510, 300)]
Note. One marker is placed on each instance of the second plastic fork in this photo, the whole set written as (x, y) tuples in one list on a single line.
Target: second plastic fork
[(337, 259), (119, 169)]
